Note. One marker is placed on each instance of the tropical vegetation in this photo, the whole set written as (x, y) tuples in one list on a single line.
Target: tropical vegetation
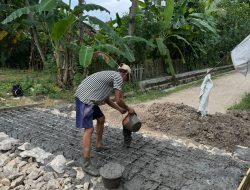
[(49, 35)]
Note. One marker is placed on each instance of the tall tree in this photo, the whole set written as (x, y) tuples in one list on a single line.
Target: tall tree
[(34, 37), (131, 27), (81, 27), (60, 24)]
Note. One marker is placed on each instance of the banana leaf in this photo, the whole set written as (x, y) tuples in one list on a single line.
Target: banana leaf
[(117, 40), (85, 56), (169, 62), (89, 7), (47, 5), (108, 48), (161, 46), (20, 12), (184, 40), (128, 54), (203, 25), (141, 4), (110, 61), (168, 13), (62, 26), (178, 49), (138, 39), (106, 28), (118, 20)]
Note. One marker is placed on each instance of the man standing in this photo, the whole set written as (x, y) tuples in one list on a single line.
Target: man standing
[(94, 90)]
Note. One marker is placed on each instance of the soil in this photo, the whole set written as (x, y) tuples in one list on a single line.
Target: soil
[(223, 131), (176, 115)]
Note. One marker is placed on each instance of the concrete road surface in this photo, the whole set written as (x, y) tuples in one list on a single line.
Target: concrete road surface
[(228, 89)]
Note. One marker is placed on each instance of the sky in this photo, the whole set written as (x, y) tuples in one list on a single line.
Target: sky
[(114, 6)]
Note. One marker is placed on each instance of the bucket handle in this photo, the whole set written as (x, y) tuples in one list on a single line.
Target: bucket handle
[(128, 114)]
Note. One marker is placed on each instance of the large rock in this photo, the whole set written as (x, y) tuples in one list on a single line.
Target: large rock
[(39, 154), (7, 143), (3, 136), (5, 182), (4, 158), (80, 174), (17, 182), (25, 146), (58, 163), (35, 174), (53, 184)]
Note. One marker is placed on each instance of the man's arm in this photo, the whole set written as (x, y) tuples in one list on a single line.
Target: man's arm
[(115, 106), (120, 102)]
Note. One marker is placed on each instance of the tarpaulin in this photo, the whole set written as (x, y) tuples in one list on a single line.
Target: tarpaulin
[(241, 56)]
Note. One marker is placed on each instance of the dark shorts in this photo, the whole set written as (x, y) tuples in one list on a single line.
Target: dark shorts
[(85, 114)]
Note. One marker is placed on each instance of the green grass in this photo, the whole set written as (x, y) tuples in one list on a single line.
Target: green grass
[(16, 74), (244, 104), (42, 84), (155, 94), (34, 83), (37, 84)]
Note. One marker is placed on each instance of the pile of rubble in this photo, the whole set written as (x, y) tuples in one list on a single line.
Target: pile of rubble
[(25, 167)]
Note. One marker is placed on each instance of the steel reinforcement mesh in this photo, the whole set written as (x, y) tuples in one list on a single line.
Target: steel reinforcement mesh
[(150, 163)]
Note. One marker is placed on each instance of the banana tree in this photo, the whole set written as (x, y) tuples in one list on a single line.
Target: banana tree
[(9, 34), (116, 45), (59, 27), (165, 17), (181, 25)]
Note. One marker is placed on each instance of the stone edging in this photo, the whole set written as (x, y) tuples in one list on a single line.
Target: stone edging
[(167, 82), (23, 167), (19, 107)]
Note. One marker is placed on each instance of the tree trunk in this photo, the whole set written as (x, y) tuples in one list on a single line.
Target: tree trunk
[(131, 26), (35, 36), (65, 67), (81, 27), (32, 47), (3, 59), (64, 64), (59, 64), (37, 43)]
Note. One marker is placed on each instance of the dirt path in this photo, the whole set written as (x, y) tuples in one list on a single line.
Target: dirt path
[(227, 90)]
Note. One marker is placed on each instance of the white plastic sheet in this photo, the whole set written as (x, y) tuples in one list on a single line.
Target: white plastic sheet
[(206, 88), (241, 56)]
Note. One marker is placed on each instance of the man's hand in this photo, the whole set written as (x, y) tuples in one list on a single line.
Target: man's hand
[(131, 110), (115, 106), (122, 111), (120, 102)]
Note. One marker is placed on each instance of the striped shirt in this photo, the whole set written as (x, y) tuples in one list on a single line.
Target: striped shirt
[(97, 87)]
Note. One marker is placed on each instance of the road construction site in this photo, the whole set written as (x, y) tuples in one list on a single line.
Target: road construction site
[(162, 162)]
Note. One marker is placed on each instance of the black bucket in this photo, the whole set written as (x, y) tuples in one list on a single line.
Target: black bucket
[(111, 183), (132, 122), (111, 175)]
